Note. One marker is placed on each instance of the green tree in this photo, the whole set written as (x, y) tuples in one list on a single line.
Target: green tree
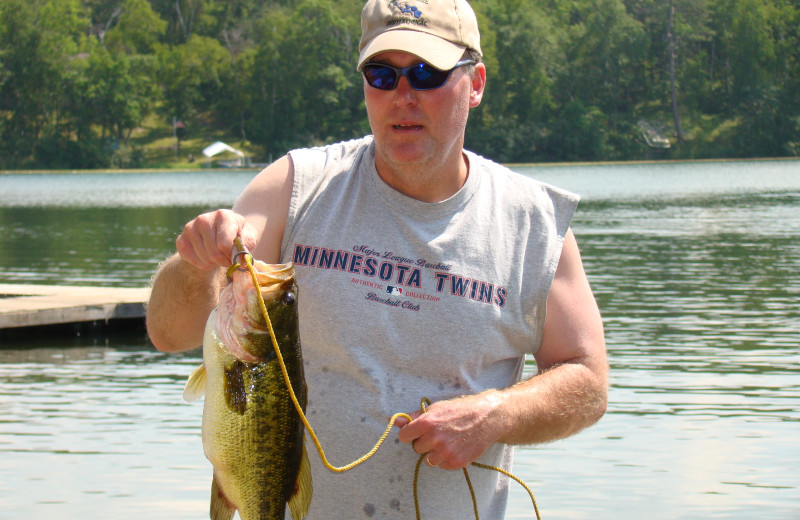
[(677, 58), (757, 79), (603, 48), (120, 92), (750, 50), (190, 75), (305, 89), (38, 43), (137, 29), (520, 47), (186, 18)]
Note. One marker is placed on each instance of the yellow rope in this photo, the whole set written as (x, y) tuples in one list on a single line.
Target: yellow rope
[(248, 260), (519, 481), (423, 406), (338, 469)]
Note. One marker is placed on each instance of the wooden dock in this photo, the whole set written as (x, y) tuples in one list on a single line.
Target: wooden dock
[(39, 305)]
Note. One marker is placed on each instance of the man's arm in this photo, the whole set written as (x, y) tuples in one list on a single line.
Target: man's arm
[(568, 394), (186, 286), (181, 299)]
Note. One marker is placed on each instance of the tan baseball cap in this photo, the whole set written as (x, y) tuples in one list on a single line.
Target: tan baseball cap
[(437, 31)]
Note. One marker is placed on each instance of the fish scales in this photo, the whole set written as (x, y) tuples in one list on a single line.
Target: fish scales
[(252, 434)]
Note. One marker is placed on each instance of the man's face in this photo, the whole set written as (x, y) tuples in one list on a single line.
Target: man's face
[(421, 128)]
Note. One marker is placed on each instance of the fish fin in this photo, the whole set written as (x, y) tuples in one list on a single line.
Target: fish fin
[(196, 385), (301, 498), (221, 509)]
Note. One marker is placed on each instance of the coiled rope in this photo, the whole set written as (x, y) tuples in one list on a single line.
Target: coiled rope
[(248, 261)]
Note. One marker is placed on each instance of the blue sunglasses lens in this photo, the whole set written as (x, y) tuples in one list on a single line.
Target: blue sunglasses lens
[(380, 76)]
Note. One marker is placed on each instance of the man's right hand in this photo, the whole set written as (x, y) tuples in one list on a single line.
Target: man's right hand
[(187, 285), (207, 241)]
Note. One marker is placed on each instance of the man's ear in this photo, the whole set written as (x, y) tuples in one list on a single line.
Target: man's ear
[(478, 85)]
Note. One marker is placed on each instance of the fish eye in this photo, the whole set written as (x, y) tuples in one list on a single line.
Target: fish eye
[(289, 298)]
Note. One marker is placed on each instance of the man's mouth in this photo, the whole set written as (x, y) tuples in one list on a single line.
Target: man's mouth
[(406, 127)]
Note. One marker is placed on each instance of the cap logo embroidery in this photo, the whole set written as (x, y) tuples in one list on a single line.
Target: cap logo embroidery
[(409, 14)]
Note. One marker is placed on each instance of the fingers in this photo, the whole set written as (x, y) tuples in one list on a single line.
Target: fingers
[(426, 440), (207, 241), (451, 434), (439, 456), (426, 455), (402, 422)]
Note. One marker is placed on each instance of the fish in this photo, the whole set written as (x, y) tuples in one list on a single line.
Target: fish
[(252, 433)]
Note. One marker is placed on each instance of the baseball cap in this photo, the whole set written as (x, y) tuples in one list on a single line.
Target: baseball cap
[(436, 31)]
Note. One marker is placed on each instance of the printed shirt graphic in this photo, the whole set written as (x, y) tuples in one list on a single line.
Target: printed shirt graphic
[(401, 299), (379, 271)]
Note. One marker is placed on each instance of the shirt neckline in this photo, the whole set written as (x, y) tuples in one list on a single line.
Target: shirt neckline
[(412, 206)]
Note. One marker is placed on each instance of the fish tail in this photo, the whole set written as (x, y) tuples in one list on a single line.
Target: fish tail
[(221, 509)]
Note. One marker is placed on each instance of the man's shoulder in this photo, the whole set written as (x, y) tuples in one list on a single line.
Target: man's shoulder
[(498, 171), (339, 150), (316, 167), (514, 185)]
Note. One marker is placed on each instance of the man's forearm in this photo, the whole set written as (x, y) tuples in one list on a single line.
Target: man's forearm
[(554, 404), (551, 405), (180, 301)]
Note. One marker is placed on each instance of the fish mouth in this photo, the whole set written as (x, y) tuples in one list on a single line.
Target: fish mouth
[(243, 329), (269, 274)]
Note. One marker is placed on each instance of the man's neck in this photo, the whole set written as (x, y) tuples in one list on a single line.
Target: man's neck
[(425, 182)]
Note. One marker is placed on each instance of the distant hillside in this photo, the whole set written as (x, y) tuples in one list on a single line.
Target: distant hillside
[(102, 83)]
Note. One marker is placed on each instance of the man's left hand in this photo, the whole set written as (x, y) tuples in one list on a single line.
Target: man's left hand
[(453, 434)]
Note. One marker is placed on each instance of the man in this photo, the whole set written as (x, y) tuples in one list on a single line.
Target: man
[(424, 271)]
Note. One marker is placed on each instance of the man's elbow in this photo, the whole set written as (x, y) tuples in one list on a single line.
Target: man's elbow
[(600, 401), (164, 341), (157, 338), (601, 405)]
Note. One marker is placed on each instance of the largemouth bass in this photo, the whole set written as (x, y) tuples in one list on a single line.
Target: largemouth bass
[(252, 434)]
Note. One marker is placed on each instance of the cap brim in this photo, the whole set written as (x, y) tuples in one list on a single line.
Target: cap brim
[(440, 53)]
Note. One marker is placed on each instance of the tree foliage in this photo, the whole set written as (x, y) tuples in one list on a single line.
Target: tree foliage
[(567, 79)]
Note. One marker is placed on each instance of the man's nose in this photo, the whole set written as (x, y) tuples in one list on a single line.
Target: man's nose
[(403, 93)]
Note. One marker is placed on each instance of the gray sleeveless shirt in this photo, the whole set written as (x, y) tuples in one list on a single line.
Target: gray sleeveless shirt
[(401, 299)]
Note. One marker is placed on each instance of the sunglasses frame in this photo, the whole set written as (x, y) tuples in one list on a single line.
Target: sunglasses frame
[(406, 71)]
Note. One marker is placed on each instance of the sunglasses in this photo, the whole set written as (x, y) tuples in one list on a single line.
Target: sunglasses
[(421, 76)]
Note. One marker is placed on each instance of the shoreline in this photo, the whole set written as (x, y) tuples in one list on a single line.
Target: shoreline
[(508, 165)]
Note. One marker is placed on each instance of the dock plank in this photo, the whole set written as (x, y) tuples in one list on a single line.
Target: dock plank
[(34, 305)]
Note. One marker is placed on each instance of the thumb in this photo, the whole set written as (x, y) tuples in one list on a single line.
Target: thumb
[(401, 421), (248, 234)]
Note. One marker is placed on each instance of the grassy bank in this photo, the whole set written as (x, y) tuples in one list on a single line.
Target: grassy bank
[(156, 147)]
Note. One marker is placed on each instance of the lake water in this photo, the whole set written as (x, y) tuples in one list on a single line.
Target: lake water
[(696, 268)]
